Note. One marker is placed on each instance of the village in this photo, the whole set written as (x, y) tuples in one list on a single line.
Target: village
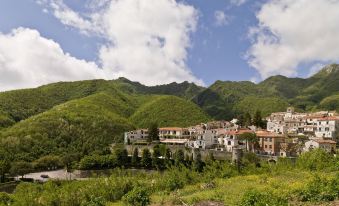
[(287, 134)]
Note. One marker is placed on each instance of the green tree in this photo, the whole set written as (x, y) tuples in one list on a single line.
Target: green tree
[(153, 132), (251, 140), (168, 155), (48, 162), (247, 120), (135, 157), (21, 168), (146, 159), (138, 196), (121, 155), (4, 168), (257, 119), (198, 163), (156, 161), (179, 157)]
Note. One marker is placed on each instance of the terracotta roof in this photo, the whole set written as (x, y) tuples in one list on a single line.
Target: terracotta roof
[(328, 118), (268, 134), (323, 141)]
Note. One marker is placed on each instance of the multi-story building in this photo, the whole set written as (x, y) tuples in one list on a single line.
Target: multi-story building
[(269, 142), (136, 135), (328, 128), (328, 145), (173, 132)]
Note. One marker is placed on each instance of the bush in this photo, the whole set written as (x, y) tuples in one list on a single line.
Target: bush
[(5, 199), (257, 198), (317, 159), (320, 189), (139, 196)]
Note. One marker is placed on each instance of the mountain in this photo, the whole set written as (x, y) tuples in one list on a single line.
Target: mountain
[(169, 111), (225, 99), (85, 117)]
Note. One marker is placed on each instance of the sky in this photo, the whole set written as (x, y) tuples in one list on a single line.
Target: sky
[(163, 41)]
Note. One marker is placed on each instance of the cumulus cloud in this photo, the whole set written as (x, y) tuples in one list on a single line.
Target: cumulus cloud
[(147, 42), (28, 60), (221, 19), (290, 33)]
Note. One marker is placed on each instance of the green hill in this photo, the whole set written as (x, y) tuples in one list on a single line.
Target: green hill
[(86, 116), (169, 111), (90, 124)]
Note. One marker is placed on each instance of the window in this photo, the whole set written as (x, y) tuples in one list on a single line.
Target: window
[(265, 146), (270, 146), (229, 143)]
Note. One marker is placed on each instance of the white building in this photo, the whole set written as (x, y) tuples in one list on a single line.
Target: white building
[(327, 145), (328, 127), (136, 135)]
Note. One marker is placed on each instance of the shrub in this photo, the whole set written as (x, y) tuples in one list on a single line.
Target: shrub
[(139, 196), (5, 199), (257, 198), (320, 189), (317, 159)]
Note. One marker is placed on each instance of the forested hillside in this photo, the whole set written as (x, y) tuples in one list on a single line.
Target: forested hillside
[(86, 116)]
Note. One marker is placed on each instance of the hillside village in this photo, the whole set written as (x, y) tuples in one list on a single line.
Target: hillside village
[(287, 134)]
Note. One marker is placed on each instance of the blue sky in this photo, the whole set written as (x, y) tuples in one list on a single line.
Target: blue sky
[(216, 50)]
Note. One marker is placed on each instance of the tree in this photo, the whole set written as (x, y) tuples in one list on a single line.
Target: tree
[(198, 164), (250, 138), (179, 157), (257, 119), (48, 162), (168, 155), (153, 132), (4, 168), (146, 159), (135, 157), (121, 155), (155, 157), (247, 120), (21, 168)]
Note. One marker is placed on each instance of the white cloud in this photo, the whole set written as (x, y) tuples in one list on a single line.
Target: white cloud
[(238, 2), (147, 42), (29, 60), (315, 68), (290, 33), (221, 19)]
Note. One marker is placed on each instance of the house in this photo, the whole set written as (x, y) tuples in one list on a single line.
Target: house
[(328, 145), (230, 139), (173, 132), (328, 128), (136, 135), (269, 142)]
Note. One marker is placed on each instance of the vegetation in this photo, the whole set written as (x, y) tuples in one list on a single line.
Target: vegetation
[(283, 183), (169, 111)]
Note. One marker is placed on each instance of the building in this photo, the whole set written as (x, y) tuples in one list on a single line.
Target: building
[(328, 128), (136, 135), (230, 139), (173, 132), (328, 145), (269, 142)]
